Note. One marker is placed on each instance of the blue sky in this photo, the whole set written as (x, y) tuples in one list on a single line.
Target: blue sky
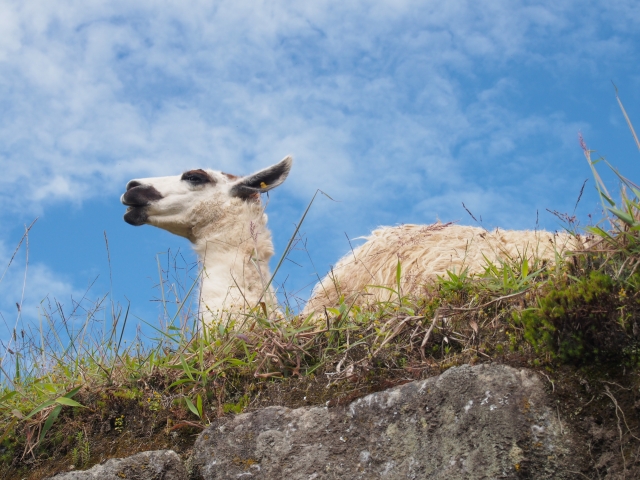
[(400, 110)]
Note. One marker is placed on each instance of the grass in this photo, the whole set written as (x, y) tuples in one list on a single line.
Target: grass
[(70, 393), (580, 309)]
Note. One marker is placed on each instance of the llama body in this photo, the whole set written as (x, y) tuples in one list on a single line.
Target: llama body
[(223, 217), (426, 251)]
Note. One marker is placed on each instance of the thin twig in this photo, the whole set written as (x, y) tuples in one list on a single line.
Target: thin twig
[(613, 399), (553, 387), (428, 334)]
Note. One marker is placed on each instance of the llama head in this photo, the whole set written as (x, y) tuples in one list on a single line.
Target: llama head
[(188, 203)]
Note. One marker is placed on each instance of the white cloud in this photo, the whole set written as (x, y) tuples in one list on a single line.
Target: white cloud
[(100, 92), (400, 109)]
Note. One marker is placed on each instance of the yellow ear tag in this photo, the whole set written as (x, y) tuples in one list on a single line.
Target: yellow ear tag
[(263, 185)]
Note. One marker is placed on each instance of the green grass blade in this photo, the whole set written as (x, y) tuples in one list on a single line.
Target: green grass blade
[(626, 117), (525, 269), (39, 408), (68, 402), (192, 407), (186, 368), (50, 419), (624, 216), (199, 405), (164, 302)]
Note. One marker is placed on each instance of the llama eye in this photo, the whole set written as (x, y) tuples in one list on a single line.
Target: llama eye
[(195, 179)]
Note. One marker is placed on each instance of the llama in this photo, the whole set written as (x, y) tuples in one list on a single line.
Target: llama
[(426, 251), (223, 217)]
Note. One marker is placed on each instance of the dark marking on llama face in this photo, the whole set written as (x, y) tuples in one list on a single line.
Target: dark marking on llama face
[(137, 198), (136, 216), (197, 177), (138, 195)]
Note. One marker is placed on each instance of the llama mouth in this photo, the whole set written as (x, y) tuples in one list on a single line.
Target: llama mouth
[(136, 215)]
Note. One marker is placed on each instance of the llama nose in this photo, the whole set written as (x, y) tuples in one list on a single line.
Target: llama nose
[(132, 184)]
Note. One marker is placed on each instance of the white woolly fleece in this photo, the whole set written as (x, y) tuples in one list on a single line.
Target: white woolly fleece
[(424, 252)]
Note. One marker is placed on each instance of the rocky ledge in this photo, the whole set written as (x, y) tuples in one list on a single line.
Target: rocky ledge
[(485, 421)]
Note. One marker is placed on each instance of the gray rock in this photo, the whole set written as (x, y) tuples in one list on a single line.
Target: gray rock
[(155, 465), (482, 422)]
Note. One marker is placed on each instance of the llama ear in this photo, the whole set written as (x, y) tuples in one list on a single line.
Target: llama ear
[(262, 181)]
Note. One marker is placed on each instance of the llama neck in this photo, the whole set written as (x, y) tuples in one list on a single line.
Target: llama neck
[(234, 252)]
